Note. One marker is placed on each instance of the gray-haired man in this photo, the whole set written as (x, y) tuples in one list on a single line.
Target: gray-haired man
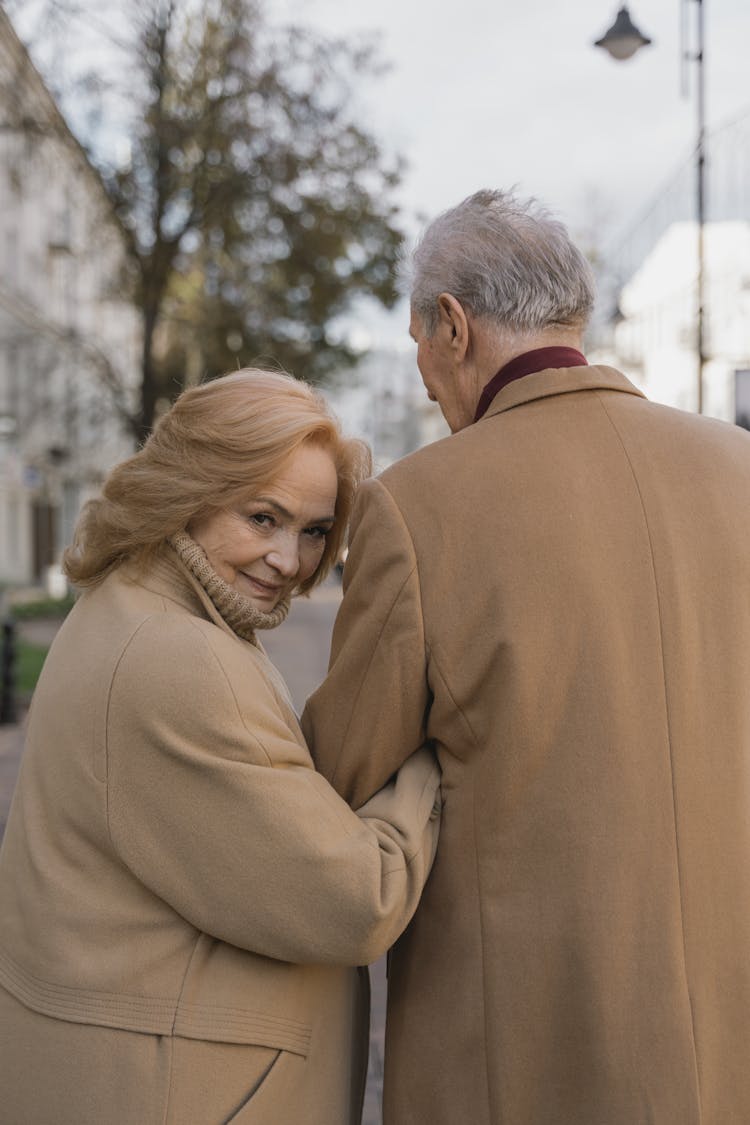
[(558, 596)]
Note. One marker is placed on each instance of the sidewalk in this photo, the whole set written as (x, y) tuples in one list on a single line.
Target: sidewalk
[(11, 744), (37, 632)]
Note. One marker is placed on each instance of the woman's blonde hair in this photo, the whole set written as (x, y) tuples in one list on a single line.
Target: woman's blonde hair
[(216, 443)]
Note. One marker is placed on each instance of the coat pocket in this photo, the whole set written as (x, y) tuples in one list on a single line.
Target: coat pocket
[(239, 1113), (217, 1083), (280, 1095)]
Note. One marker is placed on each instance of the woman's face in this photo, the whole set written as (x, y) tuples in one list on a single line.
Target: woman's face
[(274, 540)]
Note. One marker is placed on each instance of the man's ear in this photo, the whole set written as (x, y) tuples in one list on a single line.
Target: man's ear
[(455, 324)]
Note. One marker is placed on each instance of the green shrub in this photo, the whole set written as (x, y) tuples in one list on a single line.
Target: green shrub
[(45, 607), (29, 661)]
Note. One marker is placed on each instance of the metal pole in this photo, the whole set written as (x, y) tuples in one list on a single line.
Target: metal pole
[(700, 204), (8, 711)]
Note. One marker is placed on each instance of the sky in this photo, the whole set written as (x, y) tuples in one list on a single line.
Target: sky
[(487, 93), (494, 94)]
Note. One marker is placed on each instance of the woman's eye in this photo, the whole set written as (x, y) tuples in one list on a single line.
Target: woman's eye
[(262, 519), (317, 532)]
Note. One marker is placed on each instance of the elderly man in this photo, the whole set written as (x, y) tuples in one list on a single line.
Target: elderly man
[(558, 597)]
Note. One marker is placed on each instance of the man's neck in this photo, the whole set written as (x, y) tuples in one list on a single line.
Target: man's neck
[(507, 347), (527, 362), (493, 348)]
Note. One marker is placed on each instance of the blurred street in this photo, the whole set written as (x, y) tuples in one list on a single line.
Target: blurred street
[(11, 742), (300, 650)]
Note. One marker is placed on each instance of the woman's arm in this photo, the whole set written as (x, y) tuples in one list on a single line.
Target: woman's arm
[(214, 805)]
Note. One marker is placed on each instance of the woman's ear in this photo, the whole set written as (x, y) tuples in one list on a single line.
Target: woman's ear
[(454, 324)]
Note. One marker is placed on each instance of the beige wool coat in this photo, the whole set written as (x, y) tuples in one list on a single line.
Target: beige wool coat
[(559, 597), (179, 890)]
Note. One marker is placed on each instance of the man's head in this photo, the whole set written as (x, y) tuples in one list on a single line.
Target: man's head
[(492, 277)]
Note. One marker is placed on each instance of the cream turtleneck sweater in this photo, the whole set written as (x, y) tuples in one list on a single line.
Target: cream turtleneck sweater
[(237, 610)]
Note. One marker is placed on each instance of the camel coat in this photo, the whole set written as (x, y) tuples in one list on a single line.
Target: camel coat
[(559, 597), (179, 889)]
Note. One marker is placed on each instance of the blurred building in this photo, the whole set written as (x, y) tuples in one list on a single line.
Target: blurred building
[(384, 401), (650, 282), (69, 342), (654, 337)]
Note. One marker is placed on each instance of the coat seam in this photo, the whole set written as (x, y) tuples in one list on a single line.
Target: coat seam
[(459, 711), (271, 687), (408, 534), (382, 629), (415, 570), (494, 410), (482, 947), (669, 741), (174, 1021), (170, 1079), (194, 625), (115, 670), (190, 960)]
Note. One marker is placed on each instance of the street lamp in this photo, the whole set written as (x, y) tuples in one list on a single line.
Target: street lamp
[(621, 41), (623, 38)]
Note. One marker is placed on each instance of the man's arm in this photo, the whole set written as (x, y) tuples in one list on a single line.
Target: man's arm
[(368, 716)]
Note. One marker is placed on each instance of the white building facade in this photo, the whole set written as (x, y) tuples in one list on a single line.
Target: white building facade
[(655, 337), (69, 339)]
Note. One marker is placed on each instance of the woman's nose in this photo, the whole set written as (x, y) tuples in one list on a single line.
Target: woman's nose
[(284, 555)]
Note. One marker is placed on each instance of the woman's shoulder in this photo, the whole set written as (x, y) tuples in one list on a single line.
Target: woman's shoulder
[(179, 661), (132, 642), (163, 627), (173, 643)]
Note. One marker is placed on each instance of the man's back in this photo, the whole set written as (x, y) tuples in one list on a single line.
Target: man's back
[(559, 597)]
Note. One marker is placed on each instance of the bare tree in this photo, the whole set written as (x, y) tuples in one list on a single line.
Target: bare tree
[(255, 208)]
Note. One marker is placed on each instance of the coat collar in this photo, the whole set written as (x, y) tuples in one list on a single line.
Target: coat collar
[(559, 381), (527, 363), (170, 578)]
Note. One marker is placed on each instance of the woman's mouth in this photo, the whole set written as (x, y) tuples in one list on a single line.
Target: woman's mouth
[(269, 589)]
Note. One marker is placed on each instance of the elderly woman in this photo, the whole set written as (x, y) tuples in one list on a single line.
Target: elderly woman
[(180, 892)]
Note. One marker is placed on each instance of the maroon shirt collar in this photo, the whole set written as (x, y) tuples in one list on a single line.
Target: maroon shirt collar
[(540, 359)]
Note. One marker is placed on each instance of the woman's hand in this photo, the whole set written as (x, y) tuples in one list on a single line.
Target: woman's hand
[(411, 804)]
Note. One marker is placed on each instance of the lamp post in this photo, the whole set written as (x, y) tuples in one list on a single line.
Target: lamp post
[(8, 710), (623, 38), (621, 41)]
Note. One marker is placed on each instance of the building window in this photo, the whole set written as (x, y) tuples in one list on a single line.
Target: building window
[(742, 398)]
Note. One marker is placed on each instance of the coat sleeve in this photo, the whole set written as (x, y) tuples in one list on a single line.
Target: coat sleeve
[(369, 714), (213, 804)]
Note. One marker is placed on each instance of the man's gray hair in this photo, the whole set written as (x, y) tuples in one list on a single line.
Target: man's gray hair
[(504, 259)]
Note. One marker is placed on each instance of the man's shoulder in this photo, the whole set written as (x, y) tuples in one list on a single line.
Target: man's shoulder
[(429, 463), (418, 492), (683, 434)]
